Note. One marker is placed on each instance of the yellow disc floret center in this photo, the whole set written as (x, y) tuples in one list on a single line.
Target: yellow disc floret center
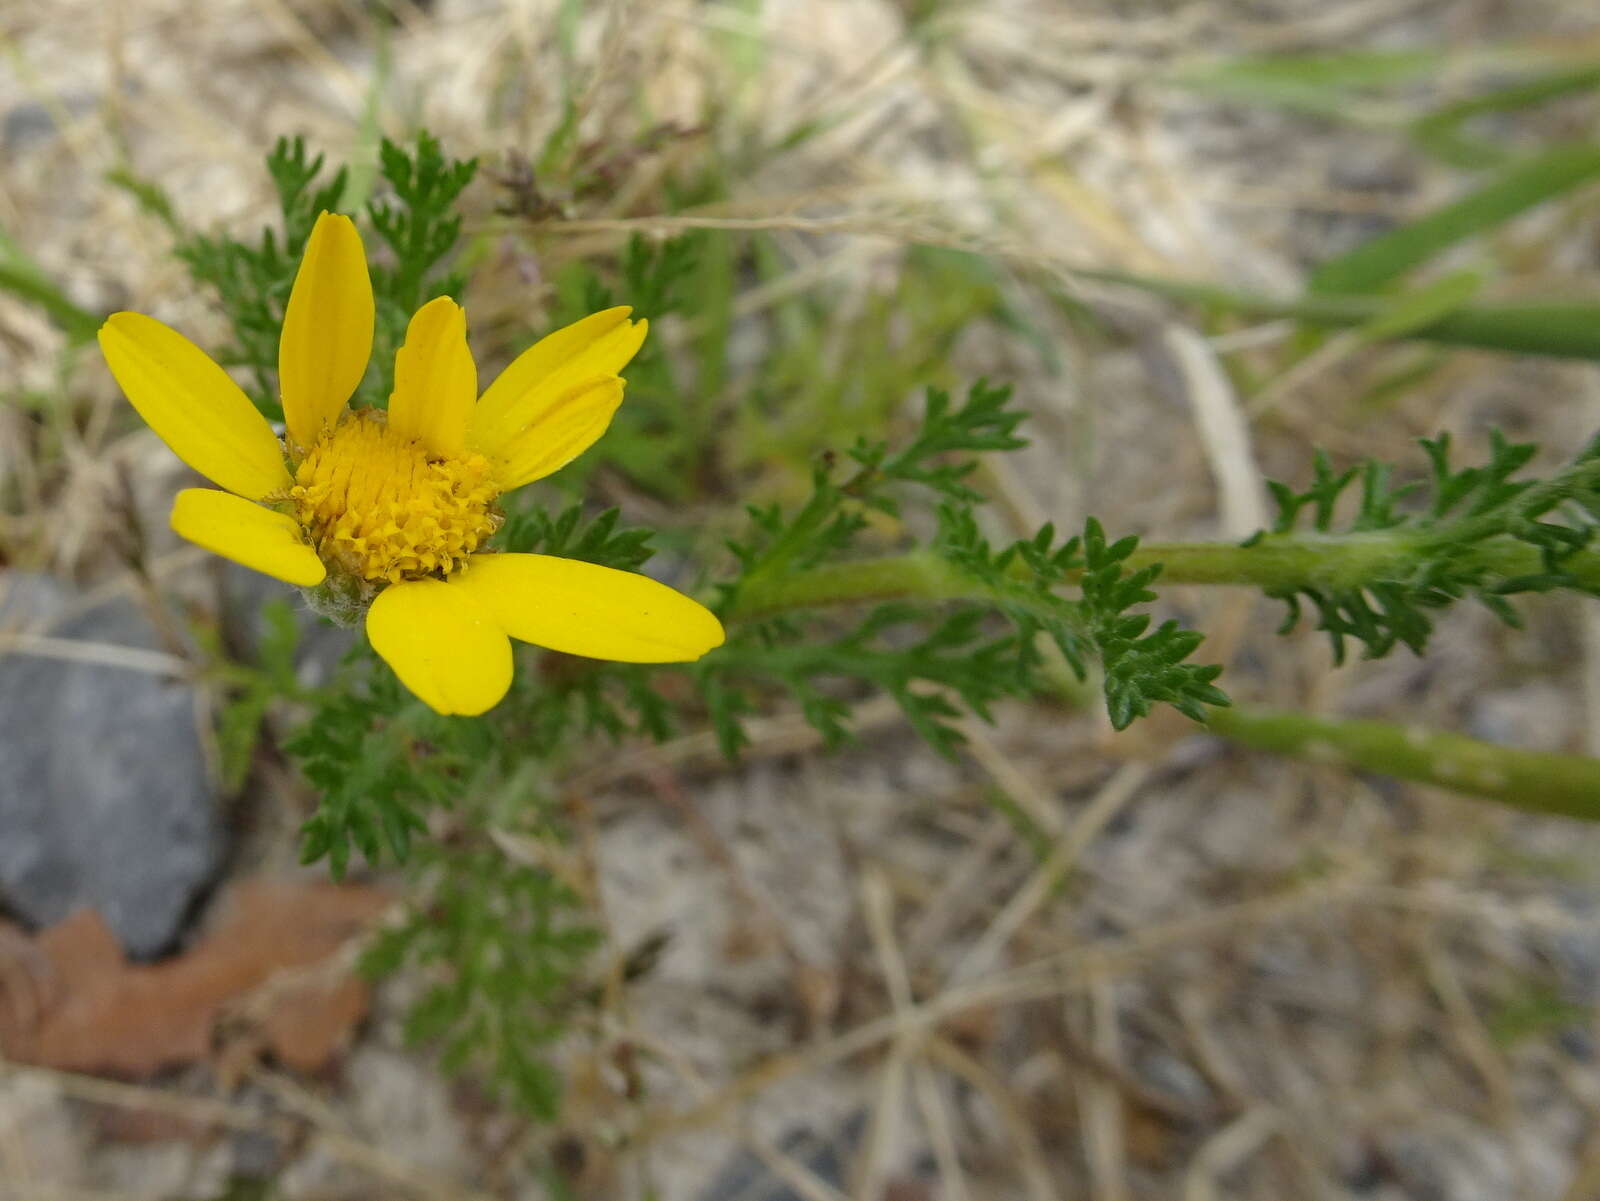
[(378, 506)]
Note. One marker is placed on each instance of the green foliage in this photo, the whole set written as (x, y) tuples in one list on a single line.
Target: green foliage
[(1422, 538), (534, 531), (502, 945), (252, 691), (823, 382), (653, 276), (982, 423), (379, 759), (913, 653), (919, 653), (906, 651), (830, 519), (419, 222), (501, 942), (661, 437), (416, 219), (1139, 669)]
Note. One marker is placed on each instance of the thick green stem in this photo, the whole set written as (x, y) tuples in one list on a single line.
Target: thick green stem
[(1537, 781), (1534, 781), (918, 574), (1276, 562)]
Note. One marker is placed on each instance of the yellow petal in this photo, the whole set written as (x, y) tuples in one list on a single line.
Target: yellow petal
[(599, 345), (327, 329), (566, 428), (442, 644), (259, 538), (585, 609), (193, 405), (435, 380)]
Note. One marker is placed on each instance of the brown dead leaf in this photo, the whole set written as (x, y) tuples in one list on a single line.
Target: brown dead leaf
[(266, 961)]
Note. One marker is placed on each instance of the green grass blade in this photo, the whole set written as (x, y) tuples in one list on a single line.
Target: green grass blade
[(1404, 314), (151, 198), (1327, 85), (1515, 190), (1565, 329), (22, 277), (1561, 328), (1441, 132), (363, 176)]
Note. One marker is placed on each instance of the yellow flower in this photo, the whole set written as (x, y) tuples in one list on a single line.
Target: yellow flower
[(388, 511)]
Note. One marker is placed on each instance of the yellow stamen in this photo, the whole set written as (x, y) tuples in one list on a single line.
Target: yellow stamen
[(377, 505)]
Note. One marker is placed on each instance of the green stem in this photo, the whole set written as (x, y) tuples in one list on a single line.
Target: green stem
[(1277, 561), (1534, 781), (1537, 781), (917, 574), (1565, 328)]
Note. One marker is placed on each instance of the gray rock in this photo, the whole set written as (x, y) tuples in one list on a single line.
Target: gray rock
[(105, 800), (26, 124)]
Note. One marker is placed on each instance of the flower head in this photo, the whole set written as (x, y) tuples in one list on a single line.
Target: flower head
[(388, 511)]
